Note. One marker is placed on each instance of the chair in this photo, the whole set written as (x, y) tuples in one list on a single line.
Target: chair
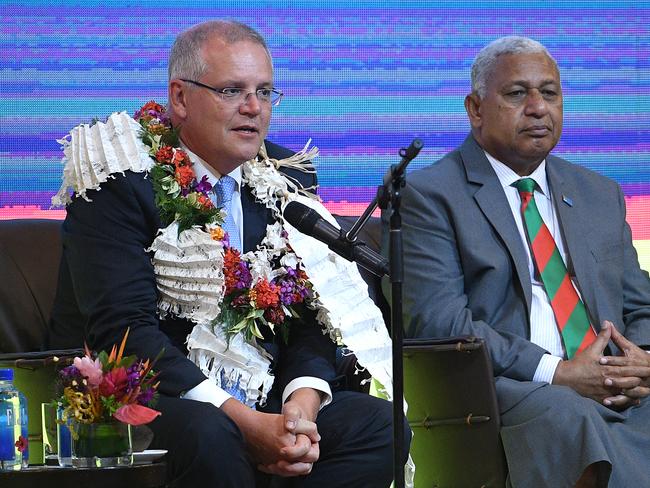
[(453, 410), (30, 251), (453, 413)]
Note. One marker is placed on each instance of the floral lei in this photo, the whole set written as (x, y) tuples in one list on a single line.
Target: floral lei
[(255, 292)]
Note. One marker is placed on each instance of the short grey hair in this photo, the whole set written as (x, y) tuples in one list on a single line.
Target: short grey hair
[(185, 60), (486, 58)]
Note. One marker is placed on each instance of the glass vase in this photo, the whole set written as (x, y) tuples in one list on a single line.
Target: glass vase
[(102, 444)]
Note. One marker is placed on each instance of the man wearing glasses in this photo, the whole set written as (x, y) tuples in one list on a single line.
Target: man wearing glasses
[(221, 95)]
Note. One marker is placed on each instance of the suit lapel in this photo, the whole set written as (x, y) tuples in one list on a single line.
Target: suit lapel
[(571, 214), (493, 203)]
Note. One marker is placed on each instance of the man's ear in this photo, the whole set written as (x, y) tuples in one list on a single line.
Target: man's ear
[(473, 109), (178, 98)]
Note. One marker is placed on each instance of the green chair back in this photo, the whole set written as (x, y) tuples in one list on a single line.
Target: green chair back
[(453, 414)]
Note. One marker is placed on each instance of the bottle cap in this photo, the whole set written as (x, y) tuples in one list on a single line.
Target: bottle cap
[(6, 374)]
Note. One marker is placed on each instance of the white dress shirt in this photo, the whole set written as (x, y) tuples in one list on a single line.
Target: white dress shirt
[(207, 390), (543, 327)]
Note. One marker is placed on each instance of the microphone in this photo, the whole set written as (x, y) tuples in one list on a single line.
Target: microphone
[(309, 222)]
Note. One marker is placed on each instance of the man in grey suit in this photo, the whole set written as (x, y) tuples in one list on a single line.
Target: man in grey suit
[(568, 418)]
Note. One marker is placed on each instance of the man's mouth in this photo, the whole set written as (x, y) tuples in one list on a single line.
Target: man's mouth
[(537, 130), (246, 129)]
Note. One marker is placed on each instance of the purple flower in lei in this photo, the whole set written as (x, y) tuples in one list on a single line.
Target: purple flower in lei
[(163, 118), (243, 275), (203, 186), (292, 290), (287, 294)]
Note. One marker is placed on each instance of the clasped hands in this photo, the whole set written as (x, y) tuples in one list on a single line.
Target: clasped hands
[(284, 444), (615, 381)]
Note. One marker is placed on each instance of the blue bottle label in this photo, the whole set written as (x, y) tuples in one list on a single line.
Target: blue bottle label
[(7, 433)]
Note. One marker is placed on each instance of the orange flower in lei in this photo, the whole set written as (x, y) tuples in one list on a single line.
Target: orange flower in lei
[(184, 175), (217, 233), (231, 262), (265, 294), (181, 158), (206, 203), (165, 154)]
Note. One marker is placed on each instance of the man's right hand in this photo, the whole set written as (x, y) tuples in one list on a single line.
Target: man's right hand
[(587, 375), (270, 442)]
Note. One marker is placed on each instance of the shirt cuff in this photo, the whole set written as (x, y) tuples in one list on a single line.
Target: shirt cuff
[(309, 382), (207, 391), (546, 368)]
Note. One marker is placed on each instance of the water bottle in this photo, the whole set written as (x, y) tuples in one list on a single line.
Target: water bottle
[(12, 440)]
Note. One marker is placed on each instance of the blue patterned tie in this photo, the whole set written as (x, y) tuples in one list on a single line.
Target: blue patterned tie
[(223, 191)]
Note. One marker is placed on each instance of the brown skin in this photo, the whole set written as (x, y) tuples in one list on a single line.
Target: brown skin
[(519, 120), (285, 444)]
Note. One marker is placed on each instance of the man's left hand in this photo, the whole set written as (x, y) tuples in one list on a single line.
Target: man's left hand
[(299, 413), (633, 362)]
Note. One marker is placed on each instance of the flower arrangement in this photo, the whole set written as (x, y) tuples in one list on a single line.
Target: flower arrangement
[(263, 286), (108, 386)]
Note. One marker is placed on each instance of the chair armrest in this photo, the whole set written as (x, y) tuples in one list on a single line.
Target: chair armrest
[(39, 359)]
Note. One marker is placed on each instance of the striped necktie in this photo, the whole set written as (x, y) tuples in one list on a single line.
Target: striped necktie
[(223, 191), (570, 313)]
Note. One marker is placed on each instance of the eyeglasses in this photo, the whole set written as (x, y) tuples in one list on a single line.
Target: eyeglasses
[(237, 96)]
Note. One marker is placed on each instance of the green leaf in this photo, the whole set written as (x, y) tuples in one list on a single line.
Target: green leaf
[(103, 359), (241, 325), (255, 331), (255, 313)]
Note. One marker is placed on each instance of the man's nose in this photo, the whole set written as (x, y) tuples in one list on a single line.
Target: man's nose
[(536, 105), (250, 105)]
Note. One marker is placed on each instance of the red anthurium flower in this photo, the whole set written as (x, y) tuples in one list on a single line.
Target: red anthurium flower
[(135, 414)]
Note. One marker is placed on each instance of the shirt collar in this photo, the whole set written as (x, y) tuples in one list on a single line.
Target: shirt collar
[(507, 176), (201, 169)]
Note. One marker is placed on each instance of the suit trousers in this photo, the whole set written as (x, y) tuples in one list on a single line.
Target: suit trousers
[(551, 434), (207, 449)]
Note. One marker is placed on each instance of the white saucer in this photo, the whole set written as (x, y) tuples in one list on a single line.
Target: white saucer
[(148, 456)]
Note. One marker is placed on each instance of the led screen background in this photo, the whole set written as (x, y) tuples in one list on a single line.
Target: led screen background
[(361, 78)]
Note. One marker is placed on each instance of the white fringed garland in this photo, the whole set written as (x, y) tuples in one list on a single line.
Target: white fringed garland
[(189, 265)]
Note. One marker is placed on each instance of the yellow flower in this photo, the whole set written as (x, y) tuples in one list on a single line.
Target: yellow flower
[(157, 128), (217, 233), (81, 406)]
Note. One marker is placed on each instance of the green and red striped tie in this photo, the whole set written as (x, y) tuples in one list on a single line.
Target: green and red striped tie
[(570, 313)]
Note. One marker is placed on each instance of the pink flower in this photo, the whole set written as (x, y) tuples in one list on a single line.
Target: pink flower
[(135, 414), (92, 370)]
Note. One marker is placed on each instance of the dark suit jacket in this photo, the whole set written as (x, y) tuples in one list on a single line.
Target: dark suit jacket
[(107, 284), (466, 268)]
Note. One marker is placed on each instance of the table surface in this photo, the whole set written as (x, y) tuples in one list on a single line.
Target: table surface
[(141, 476)]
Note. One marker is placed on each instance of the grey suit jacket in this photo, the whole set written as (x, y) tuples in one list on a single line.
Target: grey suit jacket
[(466, 269)]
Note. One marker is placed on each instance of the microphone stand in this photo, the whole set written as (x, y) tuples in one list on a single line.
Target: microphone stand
[(388, 195)]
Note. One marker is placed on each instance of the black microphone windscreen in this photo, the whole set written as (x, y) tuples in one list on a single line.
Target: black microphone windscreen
[(301, 217)]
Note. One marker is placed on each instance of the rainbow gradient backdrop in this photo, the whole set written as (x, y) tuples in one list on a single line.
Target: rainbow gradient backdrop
[(362, 79)]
